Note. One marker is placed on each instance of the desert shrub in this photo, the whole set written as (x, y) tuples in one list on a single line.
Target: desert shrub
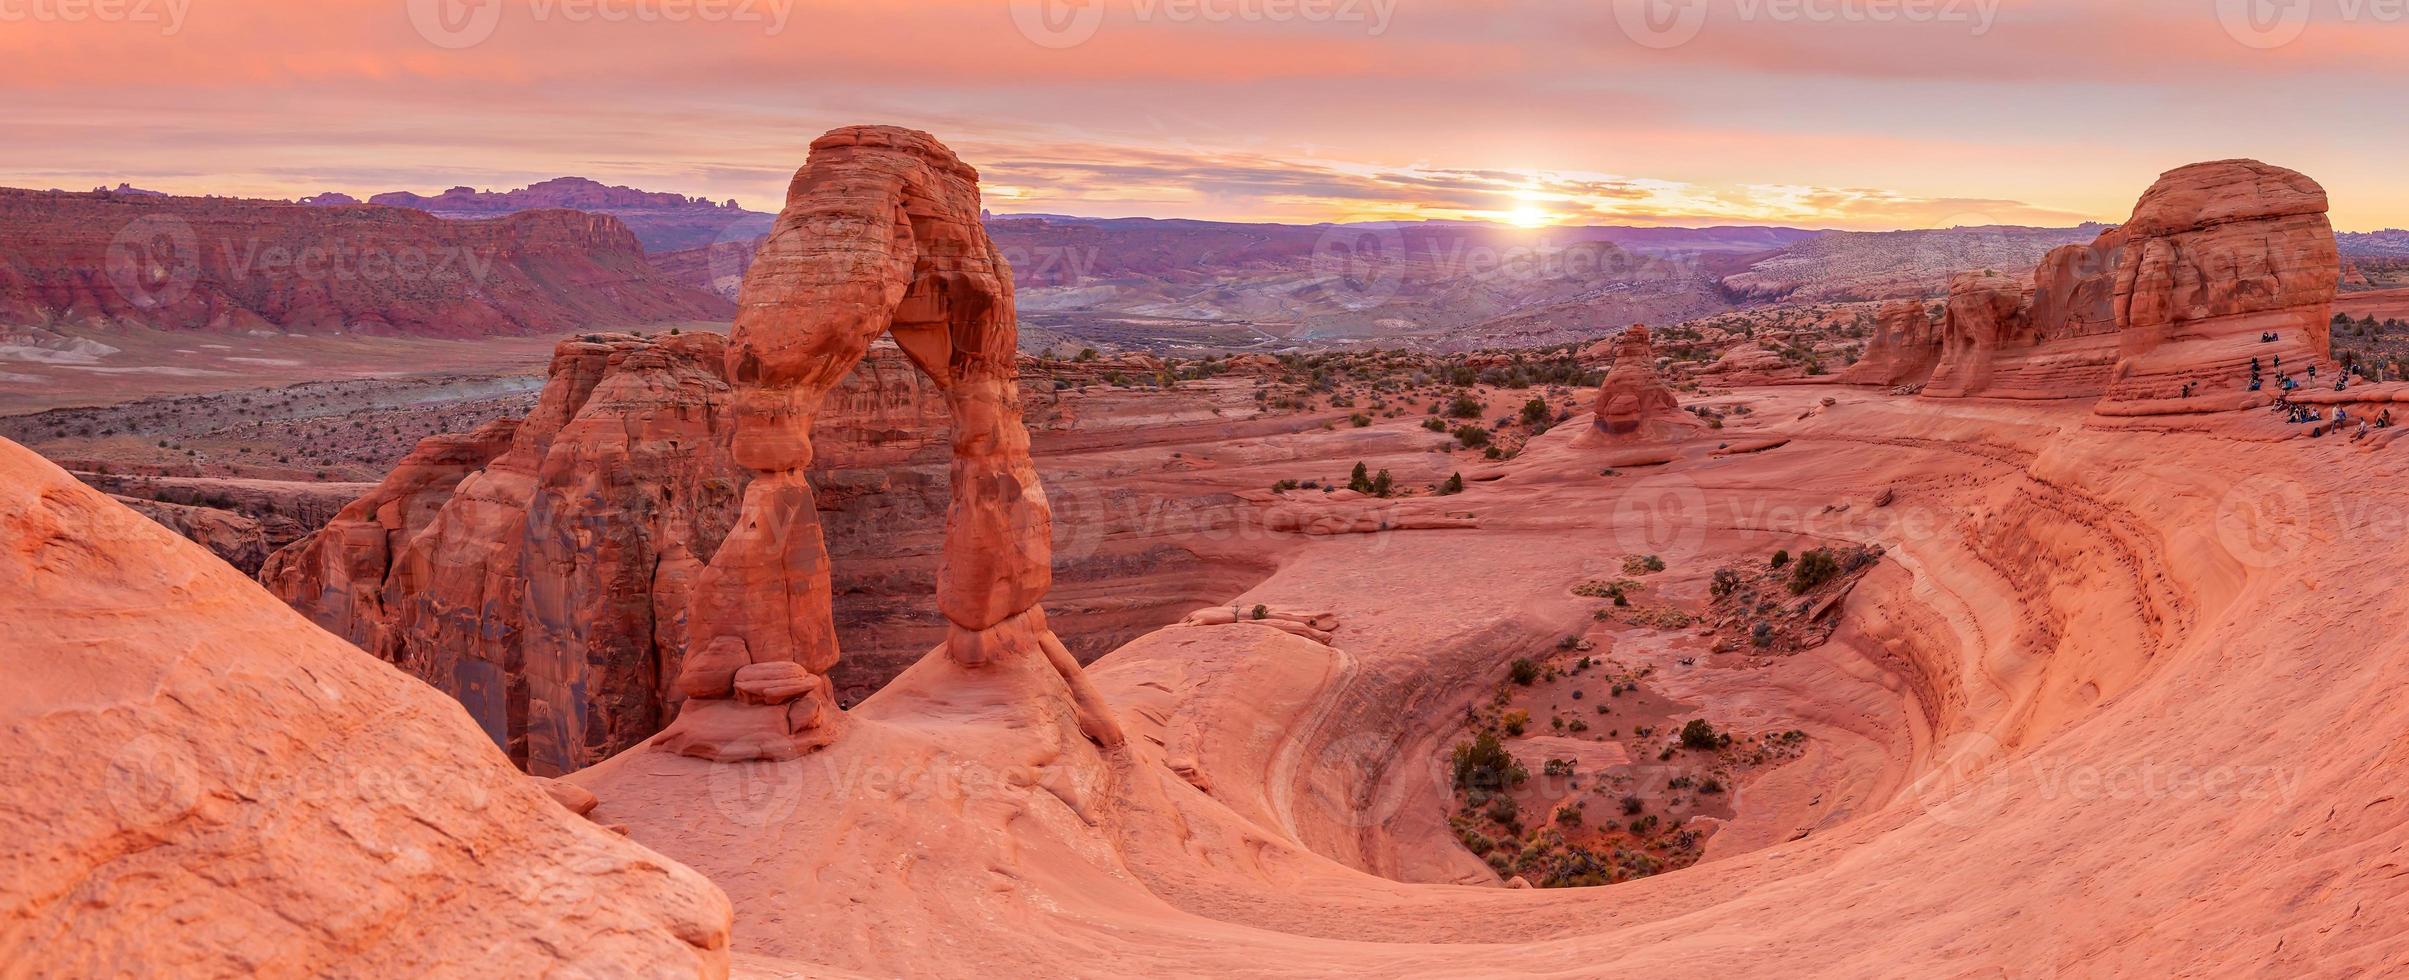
[(1503, 810), (1568, 815), (1360, 420), (1472, 436), (1484, 765), (1383, 485), (1535, 413), (1558, 767), (1711, 786), (1516, 722), (1726, 582), (1642, 565), (1453, 486), (1761, 634), (1464, 407), (1360, 481), (1632, 806), (1262, 611), (1434, 425), (1814, 568), (1781, 558), (1524, 671), (1700, 736)]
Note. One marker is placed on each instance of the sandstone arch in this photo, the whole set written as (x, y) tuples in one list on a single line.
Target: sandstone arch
[(880, 235)]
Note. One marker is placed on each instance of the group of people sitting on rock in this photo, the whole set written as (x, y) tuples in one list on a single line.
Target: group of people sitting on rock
[(2299, 414), (2282, 381), (2268, 337)]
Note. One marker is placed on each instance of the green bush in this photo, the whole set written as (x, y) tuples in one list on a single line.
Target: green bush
[(1464, 407), (1700, 736), (1814, 568), (1524, 671), (1472, 436), (1483, 764)]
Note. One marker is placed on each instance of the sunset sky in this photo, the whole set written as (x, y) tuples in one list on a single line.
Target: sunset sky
[(1816, 113)]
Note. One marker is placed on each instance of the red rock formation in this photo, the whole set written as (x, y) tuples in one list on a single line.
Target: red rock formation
[(221, 264), (1632, 393), (540, 571), (880, 235), (1749, 363), (2215, 255), (1903, 350), (232, 537), (198, 782), (1985, 314)]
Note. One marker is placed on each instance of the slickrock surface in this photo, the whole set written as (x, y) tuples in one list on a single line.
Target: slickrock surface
[(201, 783)]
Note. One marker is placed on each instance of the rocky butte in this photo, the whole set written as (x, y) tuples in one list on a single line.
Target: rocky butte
[(2215, 256)]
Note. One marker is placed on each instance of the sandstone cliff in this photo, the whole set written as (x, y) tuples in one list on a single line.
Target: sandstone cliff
[(539, 570), (183, 263)]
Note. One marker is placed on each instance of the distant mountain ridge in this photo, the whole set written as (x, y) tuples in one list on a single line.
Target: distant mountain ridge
[(230, 264), (662, 221)]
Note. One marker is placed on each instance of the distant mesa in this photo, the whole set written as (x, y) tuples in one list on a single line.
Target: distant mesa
[(224, 264), (662, 221)]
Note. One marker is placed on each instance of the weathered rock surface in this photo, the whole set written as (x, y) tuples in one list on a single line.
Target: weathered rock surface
[(1904, 348), (201, 783), (1633, 394), (2215, 256), (182, 263), (1749, 364), (881, 235), (230, 536), (540, 570)]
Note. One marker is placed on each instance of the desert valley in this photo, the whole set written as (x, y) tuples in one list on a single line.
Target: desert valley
[(591, 580)]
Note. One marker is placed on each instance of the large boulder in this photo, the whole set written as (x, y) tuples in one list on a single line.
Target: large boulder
[(202, 783)]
